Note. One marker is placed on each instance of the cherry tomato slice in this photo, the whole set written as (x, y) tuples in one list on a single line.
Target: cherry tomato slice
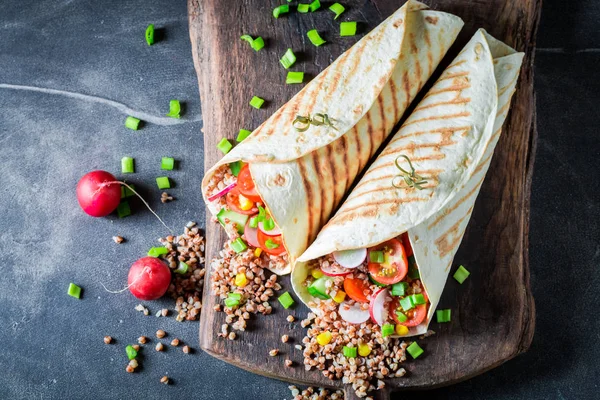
[(406, 244), (415, 315), (246, 186), (262, 240), (233, 201), (396, 266), (355, 288)]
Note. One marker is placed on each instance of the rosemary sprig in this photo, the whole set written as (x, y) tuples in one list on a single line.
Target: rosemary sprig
[(412, 179), (302, 123)]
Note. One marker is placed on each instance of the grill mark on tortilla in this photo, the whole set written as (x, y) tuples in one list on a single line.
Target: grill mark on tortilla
[(373, 206), (449, 211), (413, 45), (429, 60), (482, 163), (332, 169), (456, 100), (426, 173), (504, 108), (337, 78), (406, 87), (379, 189), (510, 84), (436, 130), (456, 64), (308, 190), (451, 76), (294, 108), (315, 161), (394, 100), (454, 88), (437, 117), (442, 244), (384, 122)]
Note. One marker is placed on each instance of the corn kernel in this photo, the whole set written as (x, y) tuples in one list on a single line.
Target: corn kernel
[(401, 330), (364, 350), (316, 273), (245, 203), (324, 338), (240, 280), (339, 296), (257, 252)]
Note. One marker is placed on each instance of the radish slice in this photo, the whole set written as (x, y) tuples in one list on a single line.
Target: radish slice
[(334, 270), (251, 235), (353, 313), (273, 232), (377, 308), (222, 192), (350, 258)]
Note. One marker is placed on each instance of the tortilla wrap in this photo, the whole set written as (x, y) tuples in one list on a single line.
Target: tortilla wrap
[(450, 139), (302, 176)]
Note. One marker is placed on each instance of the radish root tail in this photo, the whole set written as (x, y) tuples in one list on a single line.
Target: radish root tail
[(147, 270)]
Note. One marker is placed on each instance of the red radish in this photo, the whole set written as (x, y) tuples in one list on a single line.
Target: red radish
[(273, 232), (222, 192), (251, 235), (149, 278), (334, 270), (98, 193), (377, 308), (350, 258), (353, 314)]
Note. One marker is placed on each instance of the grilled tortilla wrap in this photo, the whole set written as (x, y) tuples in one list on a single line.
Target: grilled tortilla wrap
[(450, 139), (302, 176)]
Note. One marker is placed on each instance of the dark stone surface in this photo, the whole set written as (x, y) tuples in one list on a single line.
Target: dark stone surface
[(52, 344)]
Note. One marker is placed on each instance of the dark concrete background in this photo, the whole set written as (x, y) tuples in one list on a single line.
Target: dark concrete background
[(51, 344)]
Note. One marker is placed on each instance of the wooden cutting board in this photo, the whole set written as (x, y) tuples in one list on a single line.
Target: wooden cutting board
[(493, 312)]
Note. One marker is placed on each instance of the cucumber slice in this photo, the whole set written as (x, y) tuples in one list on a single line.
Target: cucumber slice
[(318, 288), (239, 219), (413, 270), (375, 282)]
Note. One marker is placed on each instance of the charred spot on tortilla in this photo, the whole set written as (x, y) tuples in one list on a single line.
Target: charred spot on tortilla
[(399, 22), (262, 158), (358, 109), (478, 51), (295, 220), (432, 20)]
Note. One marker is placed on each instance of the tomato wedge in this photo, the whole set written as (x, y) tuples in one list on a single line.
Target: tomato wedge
[(406, 244), (262, 240), (395, 267), (246, 184), (355, 288), (233, 201), (415, 315)]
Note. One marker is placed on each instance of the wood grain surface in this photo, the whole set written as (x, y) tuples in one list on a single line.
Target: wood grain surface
[(493, 312)]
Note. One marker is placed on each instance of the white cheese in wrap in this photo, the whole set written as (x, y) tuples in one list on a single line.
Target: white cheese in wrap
[(302, 176), (450, 138)]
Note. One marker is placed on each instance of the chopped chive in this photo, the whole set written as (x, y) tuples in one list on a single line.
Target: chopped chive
[(224, 146), (163, 182), (294, 77), (303, 8), (413, 271), (461, 274), (401, 316), (387, 330), (238, 245), (231, 302), (235, 167), (158, 251), (338, 9), (167, 163), (150, 34), (257, 102), (126, 192), (399, 289), (406, 303), (127, 165), (414, 350), (417, 299), (123, 210), (286, 300), (349, 352), (174, 109), (271, 244), (256, 44), (235, 296), (242, 134), (132, 123), (376, 257), (182, 268), (268, 224), (315, 5), (314, 37), (282, 9), (74, 291), (348, 28), (288, 59), (254, 222), (131, 352), (443, 315)]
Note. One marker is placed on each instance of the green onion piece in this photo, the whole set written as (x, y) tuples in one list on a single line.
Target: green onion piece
[(406, 303), (257, 102), (315, 5), (150, 34), (268, 224), (132, 123), (286, 300), (253, 222), (461, 274), (182, 268), (387, 330), (235, 167), (224, 146), (303, 8), (74, 291), (294, 77), (158, 251), (163, 182), (376, 257), (401, 316), (283, 9), (127, 165), (350, 352), (271, 244), (414, 350), (338, 9), (399, 289), (231, 302), (242, 134), (235, 296), (413, 271), (418, 299), (126, 192), (174, 109), (131, 352), (288, 59), (122, 192), (262, 214), (314, 37), (123, 210), (256, 44), (443, 315), (238, 245), (348, 28), (167, 163)]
